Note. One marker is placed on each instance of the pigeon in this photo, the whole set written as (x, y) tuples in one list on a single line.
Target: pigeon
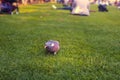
[(52, 46)]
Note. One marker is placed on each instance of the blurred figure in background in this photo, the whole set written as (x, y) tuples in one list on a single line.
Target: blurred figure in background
[(9, 7), (81, 7), (115, 3), (118, 5), (5, 6), (102, 6), (67, 5), (76, 7), (60, 1)]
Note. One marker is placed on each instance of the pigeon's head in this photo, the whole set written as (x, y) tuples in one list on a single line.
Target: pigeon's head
[(49, 44)]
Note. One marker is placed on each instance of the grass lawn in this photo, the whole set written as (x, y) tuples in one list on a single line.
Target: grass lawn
[(90, 46)]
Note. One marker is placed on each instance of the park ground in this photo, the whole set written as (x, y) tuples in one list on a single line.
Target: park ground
[(89, 45)]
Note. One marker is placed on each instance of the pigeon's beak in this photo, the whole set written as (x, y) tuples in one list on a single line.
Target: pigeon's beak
[(45, 46)]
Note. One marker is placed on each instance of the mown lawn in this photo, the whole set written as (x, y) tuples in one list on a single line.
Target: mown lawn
[(90, 46)]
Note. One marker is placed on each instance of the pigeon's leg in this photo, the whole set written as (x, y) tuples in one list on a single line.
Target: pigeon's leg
[(54, 53)]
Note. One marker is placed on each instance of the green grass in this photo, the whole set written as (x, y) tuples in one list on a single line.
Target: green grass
[(90, 46)]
